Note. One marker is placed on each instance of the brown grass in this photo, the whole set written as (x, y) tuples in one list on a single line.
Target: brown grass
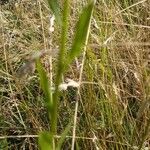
[(114, 109)]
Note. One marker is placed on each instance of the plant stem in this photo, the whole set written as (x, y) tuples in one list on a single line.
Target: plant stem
[(60, 65)]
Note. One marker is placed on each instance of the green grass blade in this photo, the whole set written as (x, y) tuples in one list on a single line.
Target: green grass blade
[(61, 56), (54, 6), (81, 34), (63, 136), (45, 141), (45, 86)]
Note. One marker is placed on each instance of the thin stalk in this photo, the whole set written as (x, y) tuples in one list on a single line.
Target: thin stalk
[(80, 80), (60, 65), (42, 24)]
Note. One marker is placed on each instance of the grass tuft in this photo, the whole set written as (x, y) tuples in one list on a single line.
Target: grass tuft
[(91, 94)]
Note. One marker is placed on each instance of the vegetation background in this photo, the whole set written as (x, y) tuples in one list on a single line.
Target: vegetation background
[(114, 96)]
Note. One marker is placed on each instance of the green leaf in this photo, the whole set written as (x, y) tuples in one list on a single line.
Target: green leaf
[(63, 136), (82, 29), (45, 141), (54, 6), (3, 144), (45, 86)]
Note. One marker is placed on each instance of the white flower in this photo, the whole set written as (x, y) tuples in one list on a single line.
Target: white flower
[(72, 83), (63, 86)]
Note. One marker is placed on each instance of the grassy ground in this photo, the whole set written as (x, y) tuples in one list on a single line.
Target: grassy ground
[(113, 110)]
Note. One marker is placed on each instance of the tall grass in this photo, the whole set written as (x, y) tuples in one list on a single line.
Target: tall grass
[(81, 35), (103, 61)]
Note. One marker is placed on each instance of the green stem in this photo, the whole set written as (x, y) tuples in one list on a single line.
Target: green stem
[(60, 66)]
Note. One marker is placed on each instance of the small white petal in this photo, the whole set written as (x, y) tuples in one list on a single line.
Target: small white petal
[(73, 83), (51, 28), (63, 86), (52, 19)]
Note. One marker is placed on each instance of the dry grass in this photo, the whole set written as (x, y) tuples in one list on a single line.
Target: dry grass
[(113, 111)]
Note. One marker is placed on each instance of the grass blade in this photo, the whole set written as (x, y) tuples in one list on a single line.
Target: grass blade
[(82, 28), (63, 136), (54, 6), (61, 57), (45, 86), (46, 141)]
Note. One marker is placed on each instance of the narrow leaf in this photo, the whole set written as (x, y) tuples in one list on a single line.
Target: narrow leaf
[(45, 85), (45, 141), (81, 34), (54, 6), (63, 136)]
